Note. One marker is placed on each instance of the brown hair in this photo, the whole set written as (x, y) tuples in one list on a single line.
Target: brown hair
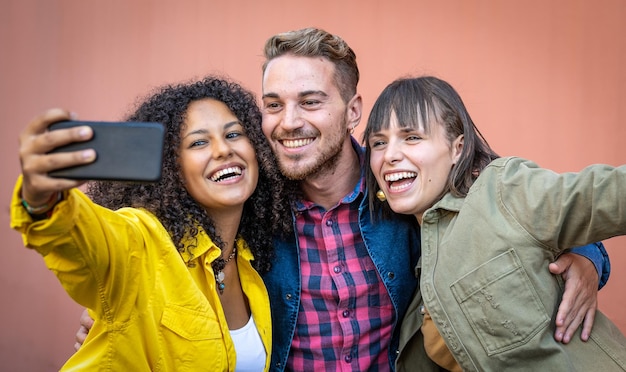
[(314, 42), (423, 102)]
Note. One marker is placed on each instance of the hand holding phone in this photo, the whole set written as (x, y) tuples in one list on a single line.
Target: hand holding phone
[(125, 151)]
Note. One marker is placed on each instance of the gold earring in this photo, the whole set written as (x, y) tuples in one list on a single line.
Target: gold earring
[(381, 195)]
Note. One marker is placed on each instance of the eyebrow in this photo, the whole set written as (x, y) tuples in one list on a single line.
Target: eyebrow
[(312, 92), (204, 131), (300, 95)]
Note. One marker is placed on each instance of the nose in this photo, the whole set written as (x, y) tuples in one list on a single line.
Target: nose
[(292, 118), (221, 148), (393, 153)]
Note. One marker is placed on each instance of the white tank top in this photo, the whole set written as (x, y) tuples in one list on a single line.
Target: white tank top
[(249, 348)]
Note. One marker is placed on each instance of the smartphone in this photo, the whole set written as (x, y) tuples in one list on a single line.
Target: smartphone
[(125, 151)]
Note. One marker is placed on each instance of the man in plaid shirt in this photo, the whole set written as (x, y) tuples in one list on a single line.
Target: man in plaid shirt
[(340, 286)]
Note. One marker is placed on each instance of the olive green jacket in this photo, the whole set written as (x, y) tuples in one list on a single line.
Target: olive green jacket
[(484, 269)]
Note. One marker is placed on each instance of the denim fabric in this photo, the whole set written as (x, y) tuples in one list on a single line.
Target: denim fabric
[(394, 248)]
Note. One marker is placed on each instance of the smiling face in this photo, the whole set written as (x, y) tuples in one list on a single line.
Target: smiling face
[(411, 166), (304, 116), (218, 161)]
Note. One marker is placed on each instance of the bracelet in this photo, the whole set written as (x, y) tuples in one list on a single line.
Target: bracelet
[(43, 209)]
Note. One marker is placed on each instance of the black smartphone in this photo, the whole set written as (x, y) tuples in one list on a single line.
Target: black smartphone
[(125, 151)]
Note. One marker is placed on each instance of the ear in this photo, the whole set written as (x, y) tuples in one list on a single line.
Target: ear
[(354, 110), (457, 148)]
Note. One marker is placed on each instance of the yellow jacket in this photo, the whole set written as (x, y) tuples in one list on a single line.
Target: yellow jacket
[(152, 312)]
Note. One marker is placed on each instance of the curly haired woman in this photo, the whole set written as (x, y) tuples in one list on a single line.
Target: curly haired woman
[(168, 270)]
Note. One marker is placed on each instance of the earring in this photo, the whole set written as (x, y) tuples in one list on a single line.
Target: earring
[(351, 130), (381, 195)]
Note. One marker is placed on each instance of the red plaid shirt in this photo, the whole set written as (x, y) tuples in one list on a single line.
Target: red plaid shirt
[(346, 317)]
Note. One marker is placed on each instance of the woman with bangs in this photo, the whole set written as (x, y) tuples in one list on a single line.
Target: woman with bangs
[(490, 226)]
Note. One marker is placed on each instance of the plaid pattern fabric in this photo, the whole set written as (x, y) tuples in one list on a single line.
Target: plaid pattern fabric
[(346, 317)]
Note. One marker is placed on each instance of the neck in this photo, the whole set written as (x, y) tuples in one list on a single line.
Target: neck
[(331, 184), (227, 223)]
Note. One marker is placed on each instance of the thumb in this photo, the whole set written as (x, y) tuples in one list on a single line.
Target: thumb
[(561, 265)]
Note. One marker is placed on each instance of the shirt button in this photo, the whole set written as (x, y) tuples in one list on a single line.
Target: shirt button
[(329, 222), (348, 358), (288, 296), (337, 269), (422, 310), (391, 275), (346, 313)]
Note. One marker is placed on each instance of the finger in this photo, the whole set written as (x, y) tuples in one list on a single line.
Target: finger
[(64, 159), (588, 324), (574, 304), (35, 138), (569, 319), (562, 319), (566, 311), (41, 164), (40, 123), (81, 334), (46, 141), (582, 311), (561, 265), (571, 327), (38, 186), (86, 320), (556, 269)]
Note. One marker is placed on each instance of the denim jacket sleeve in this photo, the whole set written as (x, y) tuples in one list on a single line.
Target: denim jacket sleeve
[(596, 253)]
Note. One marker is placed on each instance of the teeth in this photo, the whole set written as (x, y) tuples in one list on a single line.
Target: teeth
[(297, 143), (228, 171), (400, 175), (399, 188)]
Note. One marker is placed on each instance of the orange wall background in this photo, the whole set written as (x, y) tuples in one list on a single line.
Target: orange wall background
[(542, 79)]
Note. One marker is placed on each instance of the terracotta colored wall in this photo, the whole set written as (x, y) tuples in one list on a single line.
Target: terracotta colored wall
[(544, 80)]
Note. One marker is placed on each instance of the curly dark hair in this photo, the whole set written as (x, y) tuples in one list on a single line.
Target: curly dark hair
[(266, 213)]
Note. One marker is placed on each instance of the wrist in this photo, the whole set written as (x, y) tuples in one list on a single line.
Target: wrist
[(42, 211)]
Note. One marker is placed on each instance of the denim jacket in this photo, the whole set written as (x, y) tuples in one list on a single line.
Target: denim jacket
[(393, 246)]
